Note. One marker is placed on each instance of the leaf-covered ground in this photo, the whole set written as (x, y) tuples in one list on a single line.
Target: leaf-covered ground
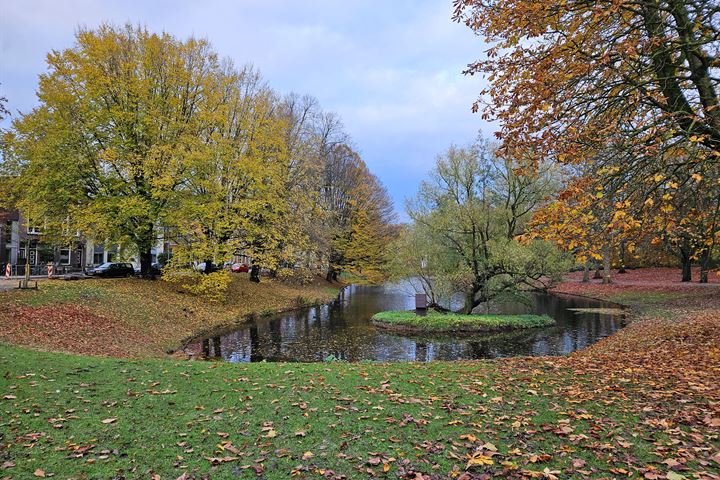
[(133, 317), (643, 403)]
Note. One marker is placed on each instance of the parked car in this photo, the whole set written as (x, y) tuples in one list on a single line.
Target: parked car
[(240, 268), (155, 269), (200, 267), (112, 269)]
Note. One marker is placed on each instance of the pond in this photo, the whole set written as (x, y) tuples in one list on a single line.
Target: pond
[(342, 330)]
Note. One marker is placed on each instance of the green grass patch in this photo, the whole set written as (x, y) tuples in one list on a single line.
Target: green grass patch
[(435, 321), (89, 417), (56, 292)]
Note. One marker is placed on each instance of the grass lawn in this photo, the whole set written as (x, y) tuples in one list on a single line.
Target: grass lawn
[(435, 321), (642, 403), (134, 317), (85, 417)]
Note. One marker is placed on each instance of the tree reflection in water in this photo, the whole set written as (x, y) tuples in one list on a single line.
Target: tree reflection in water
[(342, 330)]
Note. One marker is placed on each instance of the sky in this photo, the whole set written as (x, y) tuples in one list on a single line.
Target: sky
[(392, 69)]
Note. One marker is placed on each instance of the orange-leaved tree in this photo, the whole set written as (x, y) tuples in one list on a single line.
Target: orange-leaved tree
[(563, 76)]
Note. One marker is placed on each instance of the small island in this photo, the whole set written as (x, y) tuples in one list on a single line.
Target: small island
[(440, 322)]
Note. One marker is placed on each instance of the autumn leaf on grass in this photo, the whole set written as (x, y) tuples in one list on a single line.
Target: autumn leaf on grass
[(39, 473), (478, 459), (551, 474), (218, 460), (109, 420)]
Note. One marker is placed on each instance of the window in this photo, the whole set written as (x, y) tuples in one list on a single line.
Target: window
[(34, 230), (64, 256), (112, 253), (98, 254), (8, 231)]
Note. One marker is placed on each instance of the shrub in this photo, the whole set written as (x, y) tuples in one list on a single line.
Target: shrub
[(296, 276)]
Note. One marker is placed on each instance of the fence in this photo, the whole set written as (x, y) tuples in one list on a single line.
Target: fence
[(18, 270)]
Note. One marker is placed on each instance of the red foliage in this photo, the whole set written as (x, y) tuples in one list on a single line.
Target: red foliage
[(661, 280)]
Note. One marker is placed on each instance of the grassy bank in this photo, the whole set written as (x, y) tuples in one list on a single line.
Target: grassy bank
[(133, 317), (439, 322)]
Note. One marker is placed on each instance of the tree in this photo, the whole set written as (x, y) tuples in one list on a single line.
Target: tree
[(5, 181), (475, 206), (122, 115), (563, 76), (419, 260), (588, 220), (623, 86), (4, 112), (359, 244), (136, 132), (234, 198), (684, 214)]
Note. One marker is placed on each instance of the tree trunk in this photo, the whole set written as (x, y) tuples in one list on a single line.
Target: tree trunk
[(586, 272), (255, 274), (146, 263), (144, 239), (622, 257), (686, 266), (607, 274), (597, 275), (471, 300), (332, 275), (704, 261)]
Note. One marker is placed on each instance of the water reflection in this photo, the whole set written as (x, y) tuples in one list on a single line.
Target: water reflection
[(343, 330)]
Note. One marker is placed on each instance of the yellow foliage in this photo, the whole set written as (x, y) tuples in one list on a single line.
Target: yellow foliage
[(212, 286)]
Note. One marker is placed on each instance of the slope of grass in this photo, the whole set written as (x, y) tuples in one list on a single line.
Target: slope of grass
[(435, 321), (134, 317)]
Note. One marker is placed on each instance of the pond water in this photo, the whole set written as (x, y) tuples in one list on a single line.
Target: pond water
[(342, 330)]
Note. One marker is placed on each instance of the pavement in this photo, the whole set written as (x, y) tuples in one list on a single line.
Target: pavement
[(12, 282)]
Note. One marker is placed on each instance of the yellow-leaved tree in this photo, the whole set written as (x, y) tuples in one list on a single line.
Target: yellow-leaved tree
[(121, 119)]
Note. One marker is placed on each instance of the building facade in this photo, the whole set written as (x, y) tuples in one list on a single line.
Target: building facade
[(19, 240)]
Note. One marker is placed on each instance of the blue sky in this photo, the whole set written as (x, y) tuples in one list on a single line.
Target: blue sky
[(390, 68)]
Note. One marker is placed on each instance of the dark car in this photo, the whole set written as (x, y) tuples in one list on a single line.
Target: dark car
[(155, 269), (111, 269)]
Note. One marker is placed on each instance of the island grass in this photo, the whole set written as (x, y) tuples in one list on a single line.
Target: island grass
[(435, 321)]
